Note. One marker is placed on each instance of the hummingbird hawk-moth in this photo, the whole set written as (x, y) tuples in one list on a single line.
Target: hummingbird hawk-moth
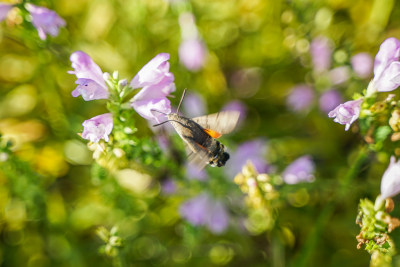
[(200, 135)]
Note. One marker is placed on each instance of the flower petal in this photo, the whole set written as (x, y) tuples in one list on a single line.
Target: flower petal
[(153, 72), (98, 127), (389, 79), (390, 184), (347, 112), (90, 77), (389, 52), (45, 20), (145, 107), (90, 90)]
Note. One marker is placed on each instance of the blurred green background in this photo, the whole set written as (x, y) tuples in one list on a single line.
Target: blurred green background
[(52, 199)]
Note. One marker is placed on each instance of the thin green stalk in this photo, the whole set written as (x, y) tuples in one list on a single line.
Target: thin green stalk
[(310, 246)]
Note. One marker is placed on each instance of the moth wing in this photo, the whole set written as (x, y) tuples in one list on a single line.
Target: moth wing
[(222, 122), (197, 155)]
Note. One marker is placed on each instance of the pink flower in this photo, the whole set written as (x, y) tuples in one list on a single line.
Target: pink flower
[(98, 127), (91, 84), (204, 210), (46, 21), (192, 54), (362, 64), (321, 50), (300, 170), (157, 83), (4, 8), (300, 98), (155, 72), (390, 185), (387, 66), (346, 113)]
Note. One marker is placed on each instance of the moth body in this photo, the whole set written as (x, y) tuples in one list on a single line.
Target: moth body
[(206, 149)]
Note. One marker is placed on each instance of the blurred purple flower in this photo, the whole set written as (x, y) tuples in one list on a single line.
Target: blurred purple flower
[(237, 105), (300, 98), (192, 54), (253, 151), (300, 170), (387, 66), (390, 185), (46, 21), (4, 8), (339, 75), (203, 210), (218, 219), (194, 105), (91, 84), (321, 50), (329, 100), (347, 112), (157, 83), (192, 172), (168, 187), (362, 64), (98, 127)]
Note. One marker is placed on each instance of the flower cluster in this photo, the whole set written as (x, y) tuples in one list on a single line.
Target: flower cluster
[(376, 224), (386, 78), (46, 21), (154, 78)]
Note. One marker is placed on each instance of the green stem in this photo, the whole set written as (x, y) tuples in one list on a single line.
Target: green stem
[(310, 246)]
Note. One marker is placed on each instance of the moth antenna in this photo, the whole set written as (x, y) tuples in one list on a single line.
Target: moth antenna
[(155, 125), (180, 102), (158, 111)]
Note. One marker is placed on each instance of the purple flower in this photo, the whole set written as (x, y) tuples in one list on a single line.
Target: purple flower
[(321, 50), (218, 219), (155, 72), (339, 75), (390, 185), (253, 151), (46, 21), (300, 170), (204, 210), (98, 127), (192, 54), (157, 83), (346, 113), (91, 84), (4, 8), (362, 64), (194, 105), (168, 187), (387, 66), (329, 100), (300, 98)]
